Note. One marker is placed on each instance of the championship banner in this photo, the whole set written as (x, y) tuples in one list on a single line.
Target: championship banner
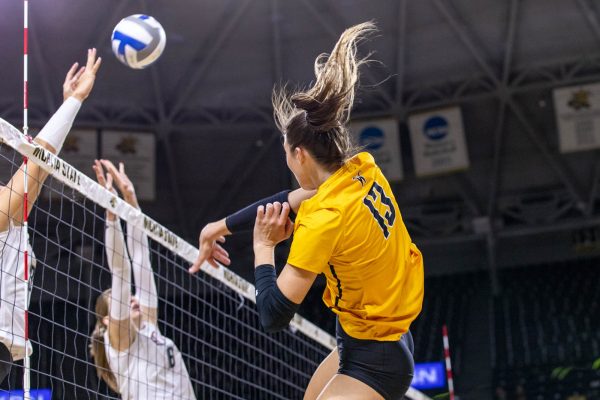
[(380, 138), (438, 141), (578, 117), (137, 152)]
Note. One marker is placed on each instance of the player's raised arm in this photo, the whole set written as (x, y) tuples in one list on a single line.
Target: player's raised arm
[(77, 87), (126, 343), (137, 245)]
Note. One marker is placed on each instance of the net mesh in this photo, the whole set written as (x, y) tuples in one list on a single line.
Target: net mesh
[(226, 352)]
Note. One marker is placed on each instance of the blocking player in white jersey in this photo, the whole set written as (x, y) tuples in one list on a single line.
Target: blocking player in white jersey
[(13, 288), (130, 353)]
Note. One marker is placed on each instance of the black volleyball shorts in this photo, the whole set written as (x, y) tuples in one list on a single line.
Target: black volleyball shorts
[(387, 367)]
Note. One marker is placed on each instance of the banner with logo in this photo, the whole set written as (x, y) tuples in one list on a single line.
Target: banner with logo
[(438, 141), (81, 149), (137, 152), (578, 117), (429, 376), (380, 138)]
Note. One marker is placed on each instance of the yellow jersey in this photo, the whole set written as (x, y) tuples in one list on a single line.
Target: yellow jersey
[(351, 230)]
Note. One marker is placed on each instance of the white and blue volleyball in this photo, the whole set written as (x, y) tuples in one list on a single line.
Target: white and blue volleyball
[(138, 40)]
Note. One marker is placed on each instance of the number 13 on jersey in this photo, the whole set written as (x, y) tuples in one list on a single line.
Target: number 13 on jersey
[(385, 221)]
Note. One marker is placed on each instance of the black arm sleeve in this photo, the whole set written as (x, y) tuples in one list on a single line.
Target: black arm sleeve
[(274, 309), (243, 220)]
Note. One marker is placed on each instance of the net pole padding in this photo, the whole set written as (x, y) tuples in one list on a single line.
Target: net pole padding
[(71, 177), (448, 363), (26, 360)]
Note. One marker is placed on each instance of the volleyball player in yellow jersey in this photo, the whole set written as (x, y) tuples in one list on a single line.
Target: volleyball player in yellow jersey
[(350, 230)]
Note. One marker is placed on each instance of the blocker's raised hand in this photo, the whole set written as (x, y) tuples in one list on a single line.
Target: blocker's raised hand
[(79, 83)]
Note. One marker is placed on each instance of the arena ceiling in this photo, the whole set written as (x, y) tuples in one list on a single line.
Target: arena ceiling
[(207, 99)]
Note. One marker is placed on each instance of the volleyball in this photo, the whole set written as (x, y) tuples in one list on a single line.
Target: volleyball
[(138, 40)]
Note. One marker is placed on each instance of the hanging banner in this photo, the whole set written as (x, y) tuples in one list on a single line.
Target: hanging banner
[(438, 142), (380, 138), (81, 149), (137, 152), (578, 117)]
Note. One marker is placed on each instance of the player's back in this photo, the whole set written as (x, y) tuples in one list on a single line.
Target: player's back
[(375, 272)]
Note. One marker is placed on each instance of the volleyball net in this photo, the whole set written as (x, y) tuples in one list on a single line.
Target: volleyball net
[(211, 316)]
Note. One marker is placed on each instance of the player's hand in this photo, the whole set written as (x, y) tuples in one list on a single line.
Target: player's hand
[(272, 225), (107, 182), (209, 247), (122, 181), (79, 82)]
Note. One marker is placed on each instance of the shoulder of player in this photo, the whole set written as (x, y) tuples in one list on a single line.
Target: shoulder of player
[(152, 332), (362, 159)]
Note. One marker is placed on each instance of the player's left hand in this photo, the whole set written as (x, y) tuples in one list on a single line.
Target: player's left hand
[(122, 181), (106, 182), (272, 224)]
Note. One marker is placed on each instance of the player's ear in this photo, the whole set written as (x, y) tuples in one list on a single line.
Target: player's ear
[(105, 320), (300, 154)]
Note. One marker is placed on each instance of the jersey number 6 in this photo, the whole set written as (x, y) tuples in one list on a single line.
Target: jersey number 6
[(387, 220)]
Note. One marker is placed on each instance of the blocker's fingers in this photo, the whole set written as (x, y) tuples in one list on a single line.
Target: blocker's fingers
[(97, 65), (97, 167), (76, 77), (109, 182), (71, 72), (91, 58)]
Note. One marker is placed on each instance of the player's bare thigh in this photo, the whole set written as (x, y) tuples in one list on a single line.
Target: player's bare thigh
[(323, 374), (344, 387), (327, 384)]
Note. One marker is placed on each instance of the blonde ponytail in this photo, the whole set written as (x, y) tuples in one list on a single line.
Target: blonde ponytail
[(97, 345), (316, 118)]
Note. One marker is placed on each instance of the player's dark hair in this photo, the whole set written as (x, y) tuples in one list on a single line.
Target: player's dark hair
[(97, 346), (315, 119)]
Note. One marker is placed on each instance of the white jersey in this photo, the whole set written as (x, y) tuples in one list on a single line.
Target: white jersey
[(152, 368), (13, 291)]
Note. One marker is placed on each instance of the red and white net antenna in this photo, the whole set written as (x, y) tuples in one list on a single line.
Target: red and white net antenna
[(26, 361), (448, 363)]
